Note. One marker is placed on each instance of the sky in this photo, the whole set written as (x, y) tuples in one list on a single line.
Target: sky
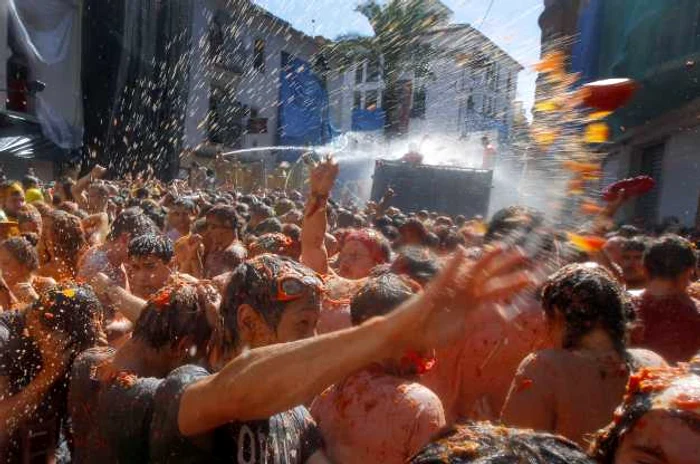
[(511, 24)]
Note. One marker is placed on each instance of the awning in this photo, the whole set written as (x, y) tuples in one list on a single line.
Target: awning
[(21, 137)]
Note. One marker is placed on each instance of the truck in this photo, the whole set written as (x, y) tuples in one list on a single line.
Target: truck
[(443, 189)]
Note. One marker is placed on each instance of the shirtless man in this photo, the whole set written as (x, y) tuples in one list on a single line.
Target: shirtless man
[(669, 317), (364, 418), (150, 264), (109, 257), (181, 214), (632, 263), (271, 306), (586, 321), (361, 251), (218, 250), (472, 376)]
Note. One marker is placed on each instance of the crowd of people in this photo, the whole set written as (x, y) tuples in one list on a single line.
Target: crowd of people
[(149, 322)]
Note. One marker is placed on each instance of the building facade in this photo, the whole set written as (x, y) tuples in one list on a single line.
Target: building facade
[(657, 133), (471, 88)]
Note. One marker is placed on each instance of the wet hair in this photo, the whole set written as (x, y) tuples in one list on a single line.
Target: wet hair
[(668, 257), (268, 226), (460, 220), (159, 246), (22, 251), (484, 443), (74, 310), (261, 209), (390, 232), (417, 227), (69, 237), (450, 239), (511, 220), (155, 212), (628, 231), (637, 243), (378, 246), (66, 183), (642, 388), (174, 313), (185, 204), (588, 297), (226, 214), (419, 263), (254, 283), (29, 182), (134, 222), (275, 243), (100, 188), (292, 231), (379, 296), (284, 206), (28, 213)]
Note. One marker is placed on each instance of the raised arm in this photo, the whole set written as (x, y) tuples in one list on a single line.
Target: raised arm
[(313, 231), (84, 182), (128, 304), (248, 387)]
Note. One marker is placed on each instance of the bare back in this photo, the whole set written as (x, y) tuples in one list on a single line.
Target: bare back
[(571, 393)]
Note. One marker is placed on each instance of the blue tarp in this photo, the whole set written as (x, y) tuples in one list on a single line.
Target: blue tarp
[(585, 53), (303, 111), (366, 120)]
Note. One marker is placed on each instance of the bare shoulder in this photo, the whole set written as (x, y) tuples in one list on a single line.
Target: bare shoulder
[(646, 358)]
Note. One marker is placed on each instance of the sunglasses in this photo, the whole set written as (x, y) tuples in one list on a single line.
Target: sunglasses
[(292, 288)]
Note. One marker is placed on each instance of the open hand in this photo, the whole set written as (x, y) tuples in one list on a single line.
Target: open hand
[(323, 176), (439, 315)]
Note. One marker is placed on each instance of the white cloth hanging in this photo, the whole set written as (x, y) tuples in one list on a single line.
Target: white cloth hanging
[(49, 34)]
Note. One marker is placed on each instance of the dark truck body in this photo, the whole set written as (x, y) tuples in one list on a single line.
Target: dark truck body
[(443, 189)]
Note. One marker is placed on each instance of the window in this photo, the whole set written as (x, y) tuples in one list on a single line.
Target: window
[(509, 84), (259, 55), (418, 109), (357, 100), (359, 76), (373, 70), (371, 100), (470, 102)]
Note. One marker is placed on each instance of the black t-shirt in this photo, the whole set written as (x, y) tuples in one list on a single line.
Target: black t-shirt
[(111, 420), (290, 437), (20, 361)]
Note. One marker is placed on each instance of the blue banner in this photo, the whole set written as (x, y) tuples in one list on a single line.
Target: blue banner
[(366, 120), (303, 110)]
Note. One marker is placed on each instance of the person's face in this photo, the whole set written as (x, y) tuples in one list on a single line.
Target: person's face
[(97, 200), (299, 319), (180, 219), (410, 237), (12, 270), (13, 202), (659, 438), (33, 226), (147, 275), (355, 260), (217, 234), (632, 263)]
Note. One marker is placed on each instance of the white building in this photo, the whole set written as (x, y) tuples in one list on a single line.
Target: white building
[(471, 87), (234, 93)]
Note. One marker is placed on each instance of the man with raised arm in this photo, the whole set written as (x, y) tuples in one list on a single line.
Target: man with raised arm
[(249, 408)]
